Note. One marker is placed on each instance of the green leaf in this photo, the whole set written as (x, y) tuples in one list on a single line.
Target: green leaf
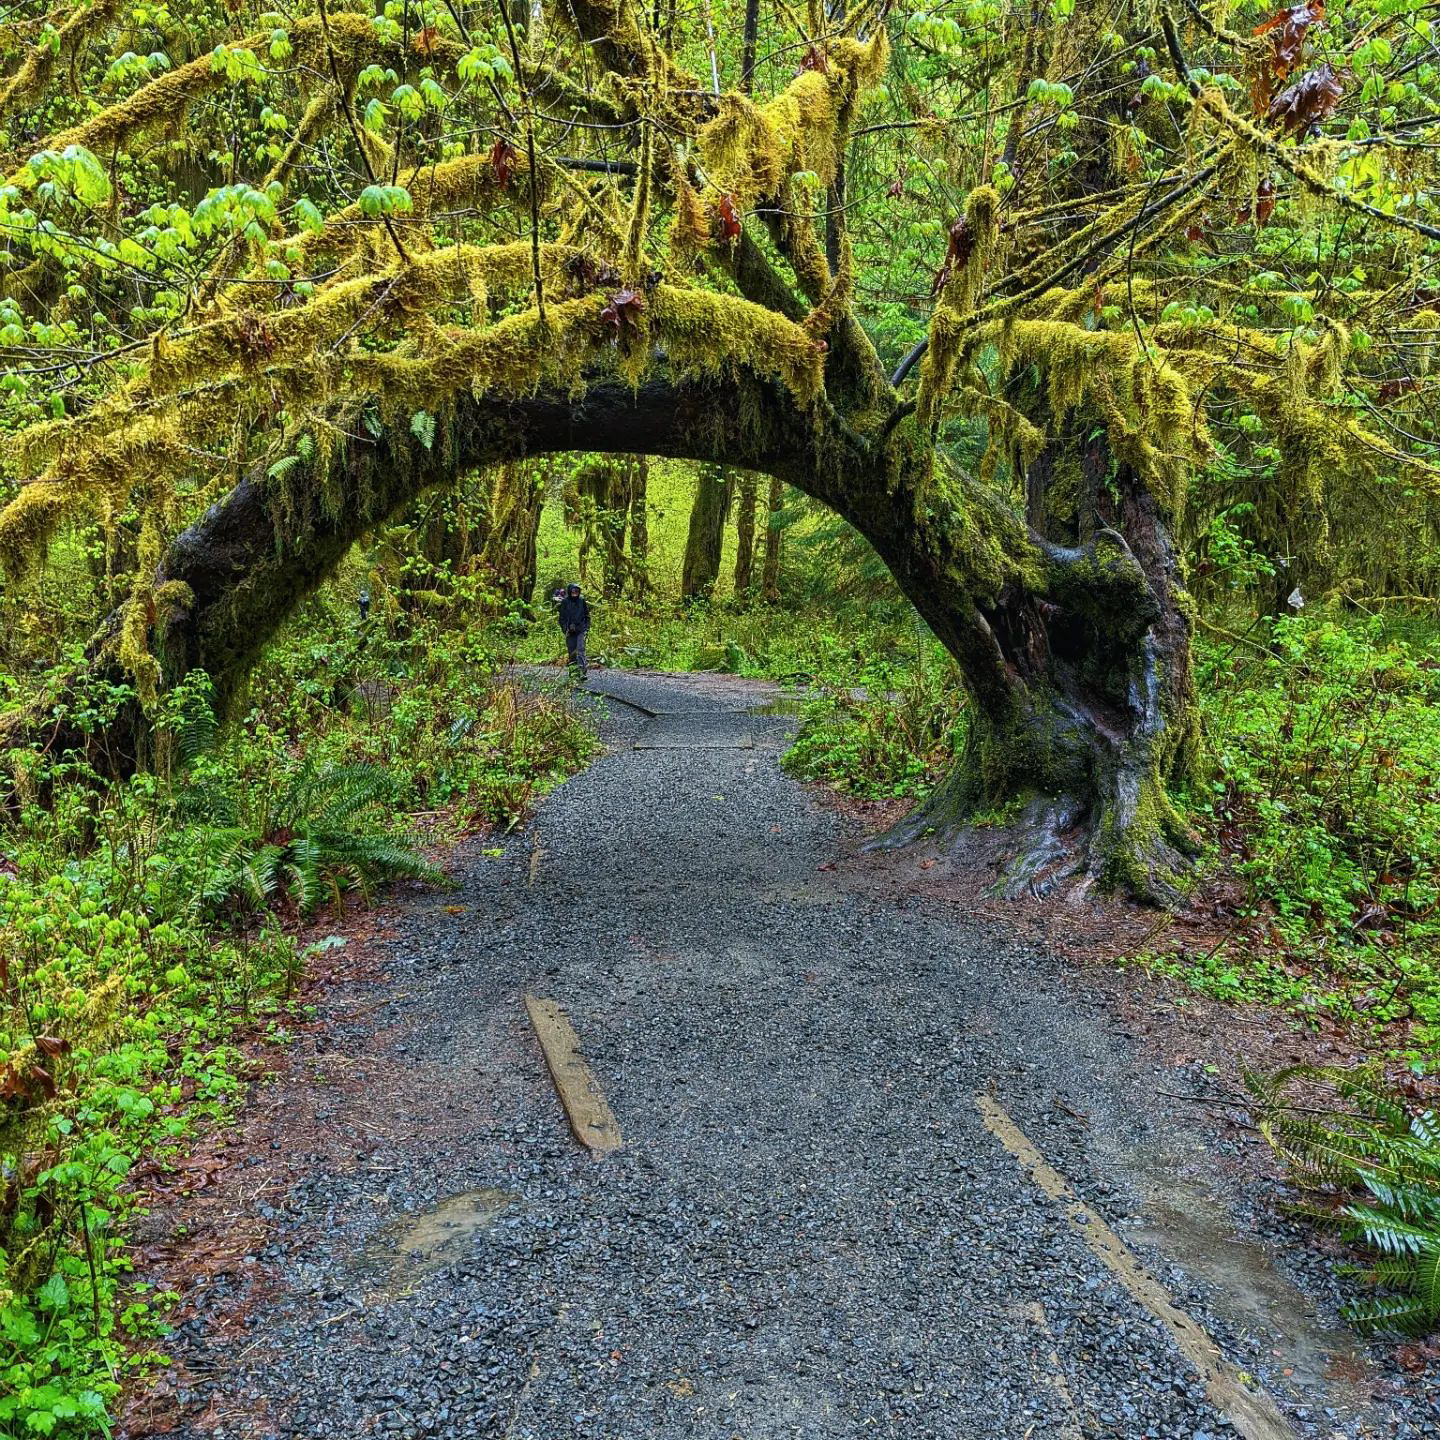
[(54, 1294)]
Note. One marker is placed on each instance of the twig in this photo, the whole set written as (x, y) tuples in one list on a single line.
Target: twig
[(344, 99)]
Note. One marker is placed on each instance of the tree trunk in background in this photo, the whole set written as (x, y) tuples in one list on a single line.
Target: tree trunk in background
[(517, 492), (639, 524), (745, 532), (707, 532), (747, 46), (600, 510), (770, 576)]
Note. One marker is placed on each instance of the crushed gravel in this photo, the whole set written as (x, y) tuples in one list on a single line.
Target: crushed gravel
[(808, 1233)]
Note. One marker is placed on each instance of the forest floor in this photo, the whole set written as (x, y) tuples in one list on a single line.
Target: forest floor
[(832, 1070)]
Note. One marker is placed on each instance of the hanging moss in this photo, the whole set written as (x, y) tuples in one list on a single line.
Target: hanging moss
[(749, 150)]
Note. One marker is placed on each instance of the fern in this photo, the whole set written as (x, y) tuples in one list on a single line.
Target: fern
[(311, 839), (1384, 1165)]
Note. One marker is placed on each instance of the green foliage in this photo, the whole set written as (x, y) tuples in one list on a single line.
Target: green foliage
[(1375, 1166), (145, 925), (1326, 738), (890, 732), (305, 840)]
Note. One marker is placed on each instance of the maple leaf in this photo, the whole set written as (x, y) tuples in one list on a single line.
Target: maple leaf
[(1311, 99), (1287, 30), (503, 156), (586, 273), (814, 59), (427, 41), (623, 312), (962, 242), (1393, 389)]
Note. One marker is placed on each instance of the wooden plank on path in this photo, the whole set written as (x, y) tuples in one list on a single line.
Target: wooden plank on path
[(589, 1113), (1251, 1410)]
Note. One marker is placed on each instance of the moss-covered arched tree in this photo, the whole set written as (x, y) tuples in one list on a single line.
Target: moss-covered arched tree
[(993, 282)]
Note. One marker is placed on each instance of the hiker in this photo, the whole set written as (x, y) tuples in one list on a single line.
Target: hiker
[(575, 622)]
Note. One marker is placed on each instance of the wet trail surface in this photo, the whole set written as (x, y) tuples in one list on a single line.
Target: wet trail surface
[(809, 1231)]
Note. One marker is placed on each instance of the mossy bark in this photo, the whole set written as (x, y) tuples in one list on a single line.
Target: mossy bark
[(770, 570), (706, 536), (517, 492), (1075, 656), (639, 525), (745, 501)]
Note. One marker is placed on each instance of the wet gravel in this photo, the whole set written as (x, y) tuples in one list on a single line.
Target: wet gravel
[(808, 1233)]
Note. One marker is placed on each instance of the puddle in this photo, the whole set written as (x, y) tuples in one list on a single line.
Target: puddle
[(414, 1246), (1191, 1229)]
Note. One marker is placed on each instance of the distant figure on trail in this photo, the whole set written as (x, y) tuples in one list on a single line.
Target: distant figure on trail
[(575, 622)]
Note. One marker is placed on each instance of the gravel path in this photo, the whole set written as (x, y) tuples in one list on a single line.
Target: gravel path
[(809, 1233)]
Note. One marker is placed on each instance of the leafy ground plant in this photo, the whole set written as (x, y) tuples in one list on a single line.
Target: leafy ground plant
[(1371, 1165), (1324, 731), (310, 839), (147, 925), (888, 737)]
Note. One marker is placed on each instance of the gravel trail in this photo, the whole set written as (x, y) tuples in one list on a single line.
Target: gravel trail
[(809, 1232)]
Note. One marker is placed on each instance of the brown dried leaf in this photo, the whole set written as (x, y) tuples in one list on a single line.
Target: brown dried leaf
[(623, 312), (730, 222), (1393, 389), (1264, 202), (962, 243), (1311, 99), (503, 156), (1287, 30)]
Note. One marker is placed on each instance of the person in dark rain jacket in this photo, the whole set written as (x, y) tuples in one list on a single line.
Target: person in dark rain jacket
[(575, 622)]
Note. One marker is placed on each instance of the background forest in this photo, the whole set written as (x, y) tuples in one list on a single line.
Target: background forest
[(1114, 261)]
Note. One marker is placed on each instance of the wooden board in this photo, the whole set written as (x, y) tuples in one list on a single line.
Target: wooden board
[(589, 1113), (1250, 1409)]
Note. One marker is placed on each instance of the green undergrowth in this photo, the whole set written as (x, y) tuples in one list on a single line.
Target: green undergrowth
[(1366, 1156), (880, 702), (1324, 800), (148, 928)]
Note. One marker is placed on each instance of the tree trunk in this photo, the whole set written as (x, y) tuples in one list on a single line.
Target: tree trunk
[(745, 533), (770, 574), (517, 493), (1082, 711), (706, 537), (639, 524)]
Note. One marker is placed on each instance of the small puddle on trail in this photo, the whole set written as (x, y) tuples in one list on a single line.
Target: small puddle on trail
[(1190, 1228), (414, 1246), (782, 705)]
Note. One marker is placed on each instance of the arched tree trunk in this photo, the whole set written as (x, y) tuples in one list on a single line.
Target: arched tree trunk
[(745, 533), (706, 537), (1075, 656)]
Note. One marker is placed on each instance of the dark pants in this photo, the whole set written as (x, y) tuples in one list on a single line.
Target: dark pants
[(575, 646)]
